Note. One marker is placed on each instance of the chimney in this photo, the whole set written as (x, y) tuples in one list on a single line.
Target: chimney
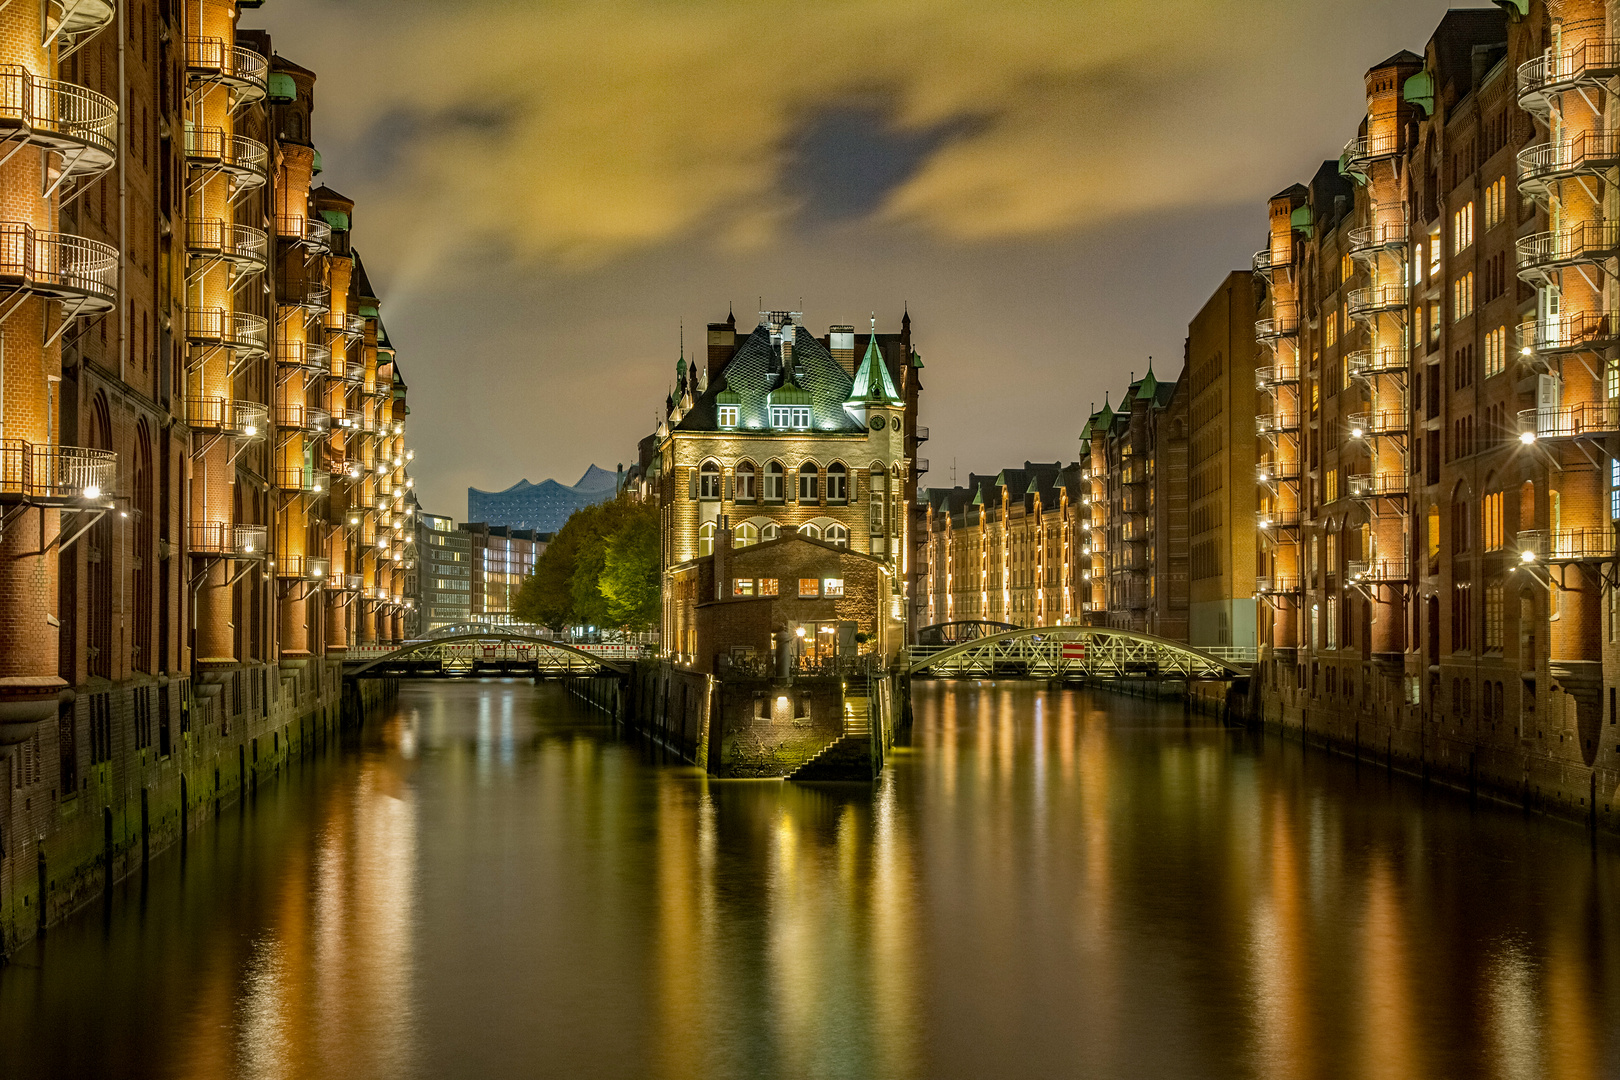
[(722, 343), (841, 343), (722, 555)]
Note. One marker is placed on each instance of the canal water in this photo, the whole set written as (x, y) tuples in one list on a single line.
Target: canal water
[(1047, 884)]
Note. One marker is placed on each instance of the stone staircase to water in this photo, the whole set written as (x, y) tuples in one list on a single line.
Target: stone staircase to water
[(848, 757)]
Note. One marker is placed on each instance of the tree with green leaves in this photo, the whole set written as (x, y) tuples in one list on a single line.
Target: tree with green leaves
[(601, 569)]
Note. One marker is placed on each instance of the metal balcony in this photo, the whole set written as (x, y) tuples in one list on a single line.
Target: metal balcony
[(1585, 420), (1276, 584), (1388, 231), (1377, 571), (1591, 63), (305, 357), (214, 60), (306, 231), (81, 273), (243, 246), (1587, 154), (1580, 331), (1268, 263), (352, 372), (239, 419), (247, 334), (297, 416), (1360, 154), (1274, 424), (1582, 245), (338, 322), (221, 539), (1376, 300), (349, 582), (1274, 472), (70, 24), (78, 123), (303, 567), (307, 292), (301, 480), (55, 475), (919, 466), (1281, 517), (246, 161), (1283, 323), (1376, 424), (1270, 376), (1378, 485), (922, 433), (1566, 545), (1384, 360)]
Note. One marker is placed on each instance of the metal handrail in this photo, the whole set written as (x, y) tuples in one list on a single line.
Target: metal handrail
[(1592, 241), (1388, 229), (302, 417), (305, 229), (1572, 332), (1385, 422), (298, 478), (1272, 471), (61, 109), (1269, 584), (1276, 423), (1266, 261), (1285, 517), (303, 354), (1590, 151), (245, 419), (304, 292), (1584, 419), (242, 243), (59, 262), (32, 471), (229, 63), (1370, 570), (342, 322), (1592, 60), (230, 150), (311, 567), (235, 329), (1369, 149), (1377, 485), (1384, 360), (1269, 375), (1375, 298), (1562, 545), (224, 538), (1284, 322)]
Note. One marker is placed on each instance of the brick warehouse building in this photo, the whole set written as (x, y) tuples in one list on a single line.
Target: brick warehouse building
[(1442, 416), (202, 465), (783, 432)]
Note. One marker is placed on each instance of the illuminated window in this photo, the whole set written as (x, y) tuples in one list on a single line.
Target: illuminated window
[(1492, 511), (1462, 229), (772, 531), (1496, 203), (1347, 268), (706, 540), (833, 586), (1434, 253), (745, 481), (809, 586), (728, 416), (809, 477), (775, 483), (709, 481), (1331, 331), (747, 535), (800, 417), (767, 586), (837, 534), (1462, 297), (813, 532), (742, 587), (1495, 351)]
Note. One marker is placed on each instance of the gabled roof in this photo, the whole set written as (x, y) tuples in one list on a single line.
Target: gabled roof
[(755, 371)]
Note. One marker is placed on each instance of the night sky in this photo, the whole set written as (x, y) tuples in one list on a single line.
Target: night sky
[(545, 190)]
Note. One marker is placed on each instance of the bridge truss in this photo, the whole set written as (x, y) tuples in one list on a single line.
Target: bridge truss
[(494, 655), (1070, 652)]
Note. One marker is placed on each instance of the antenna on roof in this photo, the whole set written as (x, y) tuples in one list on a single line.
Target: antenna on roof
[(683, 339)]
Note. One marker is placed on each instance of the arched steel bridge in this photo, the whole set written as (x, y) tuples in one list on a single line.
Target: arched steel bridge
[(1070, 652), (494, 655), (960, 630)]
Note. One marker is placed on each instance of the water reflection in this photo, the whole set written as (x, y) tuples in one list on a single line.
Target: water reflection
[(1046, 883)]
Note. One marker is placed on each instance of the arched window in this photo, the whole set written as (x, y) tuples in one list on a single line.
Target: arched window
[(747, 535), (709, 480), (775, 486), (746, 491), (813, 532), (837, 534), (837, 483), (809, 477), (706, 540), (773, 531)]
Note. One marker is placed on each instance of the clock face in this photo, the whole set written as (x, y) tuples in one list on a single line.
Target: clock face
[(877, 423)]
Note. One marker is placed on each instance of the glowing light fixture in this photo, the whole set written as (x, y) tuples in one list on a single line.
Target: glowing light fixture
[(1527, 437), (92, 491)]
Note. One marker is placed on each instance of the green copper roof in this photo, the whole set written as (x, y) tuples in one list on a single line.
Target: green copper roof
[(338, 219), (1419, 90), (282, 87), (872, 381), (317, 161), (916, 359), (1149, 386)]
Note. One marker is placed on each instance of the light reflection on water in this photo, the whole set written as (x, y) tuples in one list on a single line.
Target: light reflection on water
[(1044, 884)]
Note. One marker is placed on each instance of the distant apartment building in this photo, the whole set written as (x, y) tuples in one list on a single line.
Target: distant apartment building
[(542, 507), (501, 558), (444, 568)]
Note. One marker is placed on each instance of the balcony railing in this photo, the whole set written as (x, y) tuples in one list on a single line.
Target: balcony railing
[(1272, 472), (1567, 545), (220, 538), (1389, 229), (307, 357), (1586, 420), (242, 419), (1593, 242), (300, 479), (1284, 322), (1374, 571), (1359, 154), (1276, 423), (74, 120), (71, 268), (352, 372), (1276, 584), (243, 246), (303, 567), (1579, 331), (310, 293), (338, 322), (1268, 376), (312, 232), (922, 433), (1384, 360), (1592, 62), (1270, 263), (1378, 485), (1279, 517), (30, 472), (246, 160), (232, 329), (919, 466), (298, 416), (214, 60), (1375, 300), (1371, 424), (347, 420), (1587, 154)]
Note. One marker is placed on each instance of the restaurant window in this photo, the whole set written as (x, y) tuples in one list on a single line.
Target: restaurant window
[(832, 586), (742, 587), (767, 586), (809, 586)]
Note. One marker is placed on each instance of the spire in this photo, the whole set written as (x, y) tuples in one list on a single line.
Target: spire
[(872, 380)]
